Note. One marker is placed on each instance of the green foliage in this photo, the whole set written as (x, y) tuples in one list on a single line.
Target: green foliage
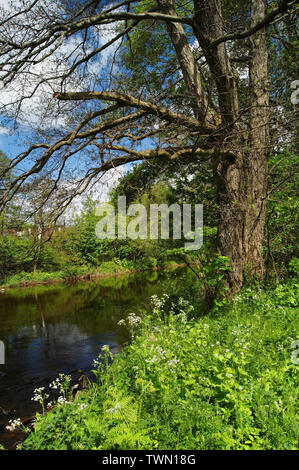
[(110, 267), (221, 381), (75, 251), (294, 266), (215, 269), (152, 262), (134, 183), (34, 277), (209, 267), (71, 271), (287, 294), (282, 224), (15, 252)]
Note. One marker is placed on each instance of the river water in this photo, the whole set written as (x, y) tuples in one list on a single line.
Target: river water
[(61, 328)]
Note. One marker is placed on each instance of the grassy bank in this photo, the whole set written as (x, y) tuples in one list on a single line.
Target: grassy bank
[(108, 268), (227, 380)]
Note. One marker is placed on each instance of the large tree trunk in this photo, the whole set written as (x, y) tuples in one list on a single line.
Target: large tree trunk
[(242, 187), (242, 182), (257, 168), (229, 173), (229, 178)]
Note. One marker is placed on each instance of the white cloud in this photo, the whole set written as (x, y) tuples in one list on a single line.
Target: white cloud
[(34, 110), (4, 131), (108, 181), (5, 4), (98, 192)]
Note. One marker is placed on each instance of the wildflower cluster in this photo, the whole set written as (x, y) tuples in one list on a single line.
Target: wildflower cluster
[(14, 424), (40, 397), (132, 321), (62, 383), (167, 306)]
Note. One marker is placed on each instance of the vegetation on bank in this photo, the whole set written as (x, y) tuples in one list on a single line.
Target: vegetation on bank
[(32, 250), (108, 268), (74, 251), (225, 380)]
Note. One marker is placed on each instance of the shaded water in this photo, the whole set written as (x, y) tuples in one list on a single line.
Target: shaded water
[(61, 328)]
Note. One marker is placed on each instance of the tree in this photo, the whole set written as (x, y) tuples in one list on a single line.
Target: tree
[(10, 217), (188, 102)]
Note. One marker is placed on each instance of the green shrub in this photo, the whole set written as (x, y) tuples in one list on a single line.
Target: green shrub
[(111, 267), (294, 266), (152, 262), (72, 271), (37, 276)]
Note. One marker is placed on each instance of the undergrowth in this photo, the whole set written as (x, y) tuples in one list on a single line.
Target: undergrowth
[(226, 380)]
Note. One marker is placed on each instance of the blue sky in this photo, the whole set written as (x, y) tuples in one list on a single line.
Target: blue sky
[(10, 144), (13, 143)]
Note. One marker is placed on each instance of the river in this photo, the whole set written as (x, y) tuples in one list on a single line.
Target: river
[(61, 328)]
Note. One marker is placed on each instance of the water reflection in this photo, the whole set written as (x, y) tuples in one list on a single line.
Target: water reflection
[(61, 328), (47, 329)]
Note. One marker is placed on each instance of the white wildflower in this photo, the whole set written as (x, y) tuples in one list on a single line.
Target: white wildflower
[(14, 424), (133, 319), (61, 400), (38, 395), (173, 361), (114, 410)]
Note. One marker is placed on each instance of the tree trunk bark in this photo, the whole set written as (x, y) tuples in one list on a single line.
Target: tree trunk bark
[(229, 177), (189, 66), (257, 168), (242, 185), (242, 182)]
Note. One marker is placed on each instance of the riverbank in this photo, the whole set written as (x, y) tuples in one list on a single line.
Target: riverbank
[(61, 328), (224, 381), (46, 278)]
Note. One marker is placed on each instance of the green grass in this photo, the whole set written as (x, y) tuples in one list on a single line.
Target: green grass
[(220, 381), (38, 276), (42, 276), (116, 266)]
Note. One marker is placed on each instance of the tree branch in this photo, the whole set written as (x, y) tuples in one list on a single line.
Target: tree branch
[(128, 100), (283, 5)]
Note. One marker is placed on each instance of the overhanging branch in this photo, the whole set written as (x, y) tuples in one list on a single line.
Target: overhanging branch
[(148, 107)]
